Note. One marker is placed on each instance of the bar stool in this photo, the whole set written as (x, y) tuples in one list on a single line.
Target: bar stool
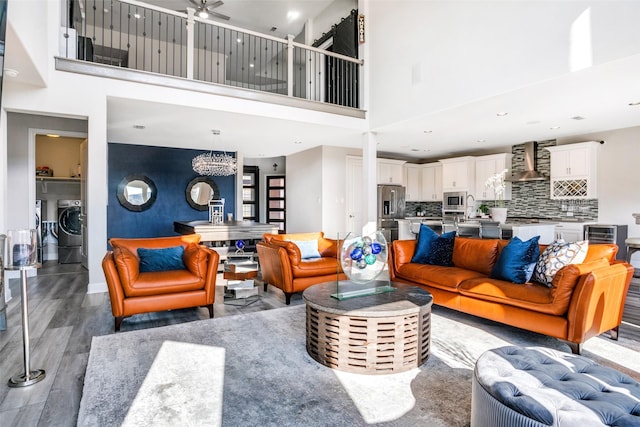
[(633, 245)]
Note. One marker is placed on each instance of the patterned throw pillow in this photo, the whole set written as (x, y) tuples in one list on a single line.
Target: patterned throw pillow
[(557, 255), (442, 250)]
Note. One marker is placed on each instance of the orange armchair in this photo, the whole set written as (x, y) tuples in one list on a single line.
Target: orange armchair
[(132, 292), (282, 264)]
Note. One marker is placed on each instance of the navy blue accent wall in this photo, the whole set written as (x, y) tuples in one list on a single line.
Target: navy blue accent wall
[(170, 169)]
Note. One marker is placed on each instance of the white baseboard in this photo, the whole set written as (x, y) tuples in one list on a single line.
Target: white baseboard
[(97, 288)]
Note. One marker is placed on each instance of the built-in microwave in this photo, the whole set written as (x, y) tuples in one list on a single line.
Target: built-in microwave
[(455, 201)]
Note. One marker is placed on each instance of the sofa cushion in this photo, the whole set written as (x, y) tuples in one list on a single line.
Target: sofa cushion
[(164, 282), (557, 255), (164, 259), (517, 260), (475, 254), (530, 295), (447, 278), (441, 252), (426, 237)]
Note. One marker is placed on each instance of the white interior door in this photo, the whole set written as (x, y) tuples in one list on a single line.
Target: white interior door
[(84, 161), (353, 196)]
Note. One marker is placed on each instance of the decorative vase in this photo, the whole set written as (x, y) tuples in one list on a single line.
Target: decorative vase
[(499, 214), (363, 258)]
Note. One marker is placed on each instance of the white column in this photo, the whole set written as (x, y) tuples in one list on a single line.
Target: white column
[(190, 42), (369, 179), (289, 65)]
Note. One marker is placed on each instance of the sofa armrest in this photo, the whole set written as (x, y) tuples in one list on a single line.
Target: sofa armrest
[(400, 253), (116, 292), (598, 302), (213, 259), (291, 249), (275, 265)]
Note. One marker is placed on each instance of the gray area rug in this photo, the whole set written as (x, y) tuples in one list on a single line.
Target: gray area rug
[(253, 370)]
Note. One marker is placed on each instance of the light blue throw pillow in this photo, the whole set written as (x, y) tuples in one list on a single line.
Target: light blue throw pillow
[(308, 248), (426, 237), (517, 260), (164, 259)]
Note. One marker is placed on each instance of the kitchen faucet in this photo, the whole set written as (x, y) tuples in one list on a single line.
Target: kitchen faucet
[(469, 207)]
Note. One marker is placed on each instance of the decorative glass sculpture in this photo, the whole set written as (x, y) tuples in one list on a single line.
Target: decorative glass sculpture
[(363, 258)]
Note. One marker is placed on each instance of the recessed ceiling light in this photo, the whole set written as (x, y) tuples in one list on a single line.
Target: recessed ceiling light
[(297, 142), (10, 72), (481, 140), (239, 40), (251, 65), (139, 127), (137, 15), (554, 127), (501, 114), (634, 103), (428, 131), (293, 15), (273, 29), (577, 118), (415, 149)]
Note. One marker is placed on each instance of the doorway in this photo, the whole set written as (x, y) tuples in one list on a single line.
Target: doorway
[(60, 165), (276, 202)]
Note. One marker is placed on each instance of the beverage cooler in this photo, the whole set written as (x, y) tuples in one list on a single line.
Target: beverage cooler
[(617, 234)]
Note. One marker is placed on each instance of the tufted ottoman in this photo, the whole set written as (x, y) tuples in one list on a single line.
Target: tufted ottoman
[(535, 386)]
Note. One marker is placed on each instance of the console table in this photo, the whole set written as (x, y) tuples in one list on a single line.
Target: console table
[(383, 333)]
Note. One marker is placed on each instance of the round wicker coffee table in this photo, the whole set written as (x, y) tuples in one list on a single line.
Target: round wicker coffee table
[(383, 333)]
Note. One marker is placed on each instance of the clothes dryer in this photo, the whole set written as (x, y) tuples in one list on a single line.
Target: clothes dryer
[(69, 231)]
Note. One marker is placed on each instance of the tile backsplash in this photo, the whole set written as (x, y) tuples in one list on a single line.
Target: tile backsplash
[(529, 199)]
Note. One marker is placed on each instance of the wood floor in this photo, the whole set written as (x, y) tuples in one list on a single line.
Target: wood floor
[(63, 319)]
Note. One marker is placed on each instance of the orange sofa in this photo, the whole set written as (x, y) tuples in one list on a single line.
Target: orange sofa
[(584, 301), (132, 292), (282, 264)]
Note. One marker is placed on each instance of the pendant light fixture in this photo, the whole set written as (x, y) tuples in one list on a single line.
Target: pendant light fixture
[(214, 164)]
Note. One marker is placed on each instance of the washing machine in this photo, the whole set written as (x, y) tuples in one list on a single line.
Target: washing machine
[(69, 231)]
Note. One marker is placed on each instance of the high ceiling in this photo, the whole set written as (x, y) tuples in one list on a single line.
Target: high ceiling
[(591, 100)]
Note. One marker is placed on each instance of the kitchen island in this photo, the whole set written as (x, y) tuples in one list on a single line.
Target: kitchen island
[(225, 232), (523, 229)]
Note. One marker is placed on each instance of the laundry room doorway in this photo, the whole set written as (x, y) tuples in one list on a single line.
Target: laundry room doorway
[(60, 166)]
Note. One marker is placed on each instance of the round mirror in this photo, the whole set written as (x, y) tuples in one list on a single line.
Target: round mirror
[(137, 192), (199, 191)]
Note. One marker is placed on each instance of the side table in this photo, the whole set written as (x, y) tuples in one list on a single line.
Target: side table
[(29, 376)]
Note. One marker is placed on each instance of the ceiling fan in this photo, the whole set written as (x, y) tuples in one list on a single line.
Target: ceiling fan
[(204, 9)]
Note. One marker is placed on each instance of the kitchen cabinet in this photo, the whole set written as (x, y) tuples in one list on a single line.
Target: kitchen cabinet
[(432, 182), (569, 231), (413, 182), (486, 167), (459, 174), (390, 171), (574, 170)]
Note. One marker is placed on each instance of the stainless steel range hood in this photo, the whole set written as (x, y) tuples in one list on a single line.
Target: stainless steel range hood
[(530, 173)]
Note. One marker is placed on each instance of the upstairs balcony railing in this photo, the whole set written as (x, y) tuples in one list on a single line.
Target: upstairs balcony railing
[(139, 36)]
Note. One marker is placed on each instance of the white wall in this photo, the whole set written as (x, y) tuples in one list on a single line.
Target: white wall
[(304, 191), (454, 52)]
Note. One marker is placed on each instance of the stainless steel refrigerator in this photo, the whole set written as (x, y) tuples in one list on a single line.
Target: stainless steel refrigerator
[(391, 208)]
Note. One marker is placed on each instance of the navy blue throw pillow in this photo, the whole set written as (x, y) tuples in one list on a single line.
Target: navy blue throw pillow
[(442, 250), (426, 237), (164, 259), (517, 260)]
